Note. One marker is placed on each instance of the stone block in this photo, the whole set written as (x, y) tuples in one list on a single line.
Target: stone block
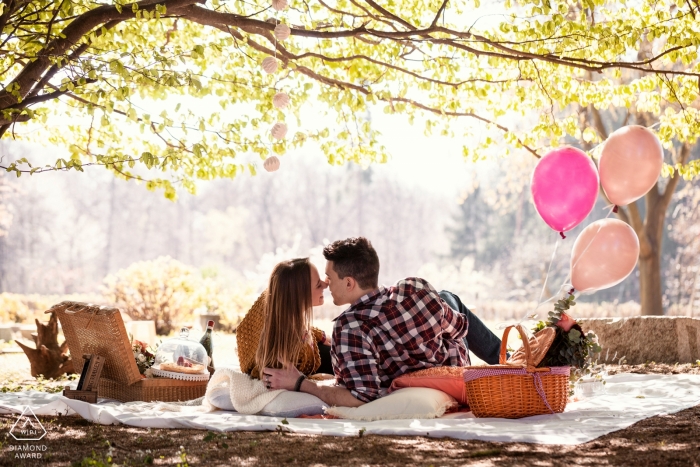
[(6, 333), (26, 331), (641, 339)]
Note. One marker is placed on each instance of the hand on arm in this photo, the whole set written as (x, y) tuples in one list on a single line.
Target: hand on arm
[(331, 395)]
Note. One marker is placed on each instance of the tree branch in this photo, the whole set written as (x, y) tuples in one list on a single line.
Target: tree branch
[(439, 12), (69, 37), (6, 14), (667, 195), (259, 27), (598, 121), (46, 97), (635, 218), (389, 14), (14, 119)]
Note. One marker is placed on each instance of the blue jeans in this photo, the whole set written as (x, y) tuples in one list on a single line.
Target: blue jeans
[(480, 339)]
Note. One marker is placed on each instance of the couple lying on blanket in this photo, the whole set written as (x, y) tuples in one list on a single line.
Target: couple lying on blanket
[(385, 333)]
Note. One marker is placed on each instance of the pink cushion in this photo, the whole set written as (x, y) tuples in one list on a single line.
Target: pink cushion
[(448, 379)]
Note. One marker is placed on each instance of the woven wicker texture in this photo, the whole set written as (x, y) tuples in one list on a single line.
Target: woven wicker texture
[(512, 394), (456, 371), (152, 389), (248, 335), (100, 330), (539, 345)]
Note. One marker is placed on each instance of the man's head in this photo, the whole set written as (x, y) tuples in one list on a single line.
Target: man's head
[(352, 269)]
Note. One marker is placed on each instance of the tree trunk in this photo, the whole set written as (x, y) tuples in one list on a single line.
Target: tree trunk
[(48, 358), (650, 283)]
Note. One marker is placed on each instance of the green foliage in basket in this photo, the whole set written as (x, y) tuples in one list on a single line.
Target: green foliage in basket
[(572, 346)]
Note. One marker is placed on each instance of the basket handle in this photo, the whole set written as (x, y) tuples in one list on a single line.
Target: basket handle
[(526, 346)]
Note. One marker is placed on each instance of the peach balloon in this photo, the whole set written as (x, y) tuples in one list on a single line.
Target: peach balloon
[(604, 254), (279, 130), (282, 32), (272, 163), (630, 164), (269, 65)]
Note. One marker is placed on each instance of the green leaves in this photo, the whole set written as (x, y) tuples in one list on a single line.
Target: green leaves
[(536, 66)]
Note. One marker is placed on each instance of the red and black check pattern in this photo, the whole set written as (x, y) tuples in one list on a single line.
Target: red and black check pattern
[(392, 331)]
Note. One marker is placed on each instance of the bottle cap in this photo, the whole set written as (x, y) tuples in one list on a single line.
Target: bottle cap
[(210, 324)]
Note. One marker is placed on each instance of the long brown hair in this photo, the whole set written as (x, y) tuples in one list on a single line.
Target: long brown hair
[(288, 314)]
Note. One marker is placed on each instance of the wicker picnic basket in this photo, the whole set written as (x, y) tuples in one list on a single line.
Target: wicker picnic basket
[(516, 391), (100, 330)]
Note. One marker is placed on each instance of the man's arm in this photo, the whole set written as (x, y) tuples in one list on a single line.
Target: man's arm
[(331, 395)]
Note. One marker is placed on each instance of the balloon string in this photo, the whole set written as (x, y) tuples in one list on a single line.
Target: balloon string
[(549, 268), (544, 286), (566, 286)]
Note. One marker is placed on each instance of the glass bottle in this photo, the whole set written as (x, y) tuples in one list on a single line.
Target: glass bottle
[(208, 345)]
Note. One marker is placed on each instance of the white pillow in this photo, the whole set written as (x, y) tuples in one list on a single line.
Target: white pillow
[(287, 404), (406, 403), (221, 398), (292, 404)]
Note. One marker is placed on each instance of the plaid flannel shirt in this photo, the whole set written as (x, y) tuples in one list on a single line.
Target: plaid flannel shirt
[(392, 331)]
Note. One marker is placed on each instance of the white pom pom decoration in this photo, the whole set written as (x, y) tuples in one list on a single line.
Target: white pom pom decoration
[(269, 65), (282, 32), (281, 100), (272, 163), (279, 5), (279, 131)]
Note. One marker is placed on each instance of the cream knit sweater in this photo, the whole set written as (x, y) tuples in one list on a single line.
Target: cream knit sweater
[(248, 395)]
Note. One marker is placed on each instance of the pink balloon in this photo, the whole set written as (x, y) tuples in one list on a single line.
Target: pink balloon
[(604, 254), (564, 188), (630, 164)]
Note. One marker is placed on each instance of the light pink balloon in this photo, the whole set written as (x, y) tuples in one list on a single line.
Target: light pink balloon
[(604, 254), (564, 187), (630, 164)]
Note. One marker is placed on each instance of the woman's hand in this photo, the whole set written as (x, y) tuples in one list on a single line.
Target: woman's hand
[(280, 379)]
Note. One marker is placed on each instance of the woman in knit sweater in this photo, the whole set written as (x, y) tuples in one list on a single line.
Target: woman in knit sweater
[(277, 331)]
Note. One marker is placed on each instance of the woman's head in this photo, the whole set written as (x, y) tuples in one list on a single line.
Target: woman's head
[(294, 288)]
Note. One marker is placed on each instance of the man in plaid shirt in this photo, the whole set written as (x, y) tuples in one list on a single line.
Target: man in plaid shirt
[(392, 331), (387, 332)]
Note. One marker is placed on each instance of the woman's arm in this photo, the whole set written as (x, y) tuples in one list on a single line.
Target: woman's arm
[(331, 395), (321, 336)]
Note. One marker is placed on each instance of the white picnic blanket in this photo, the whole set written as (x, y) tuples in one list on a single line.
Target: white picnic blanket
[(628, 399)]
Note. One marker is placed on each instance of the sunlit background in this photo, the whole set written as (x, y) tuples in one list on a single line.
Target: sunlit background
[(466, 227)]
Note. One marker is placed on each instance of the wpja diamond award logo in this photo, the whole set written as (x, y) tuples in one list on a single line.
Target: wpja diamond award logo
[(28, 428)]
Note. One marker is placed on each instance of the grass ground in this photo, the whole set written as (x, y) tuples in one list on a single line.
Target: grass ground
[(666, 440)]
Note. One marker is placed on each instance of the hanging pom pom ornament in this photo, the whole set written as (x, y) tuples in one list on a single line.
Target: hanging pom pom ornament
[(281, 100), (282, 32), (272, 163), (269, 65), (279, 131), (279, 5)]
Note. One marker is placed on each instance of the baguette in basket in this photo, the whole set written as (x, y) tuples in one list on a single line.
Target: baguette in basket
[(516, 390)]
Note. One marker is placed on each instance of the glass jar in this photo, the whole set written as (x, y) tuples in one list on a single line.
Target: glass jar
[(589, 387), (181, 355)]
